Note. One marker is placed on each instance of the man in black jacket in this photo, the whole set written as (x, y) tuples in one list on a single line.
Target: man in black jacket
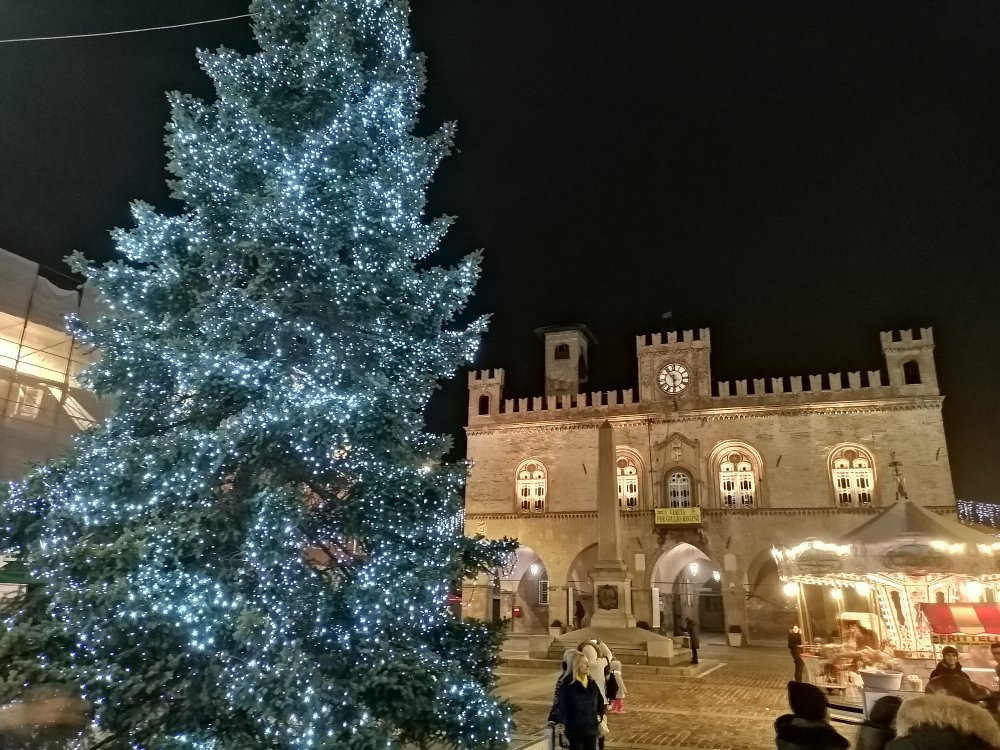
[(795, 646), (949, 665)]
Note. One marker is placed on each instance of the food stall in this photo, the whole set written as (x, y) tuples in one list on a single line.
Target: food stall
[(888, 567), (971, 629)]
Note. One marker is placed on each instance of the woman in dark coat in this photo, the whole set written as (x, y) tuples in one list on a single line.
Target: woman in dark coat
[(580, 706)]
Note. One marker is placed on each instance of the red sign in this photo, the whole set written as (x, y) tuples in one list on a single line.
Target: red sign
[(516, 612)]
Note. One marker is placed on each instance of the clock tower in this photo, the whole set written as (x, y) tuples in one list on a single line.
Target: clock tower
[(674, 368)]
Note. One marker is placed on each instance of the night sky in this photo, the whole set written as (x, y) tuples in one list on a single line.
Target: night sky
[(795, 175)]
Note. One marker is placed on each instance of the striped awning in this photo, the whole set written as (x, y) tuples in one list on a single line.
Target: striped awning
[(970, 619)]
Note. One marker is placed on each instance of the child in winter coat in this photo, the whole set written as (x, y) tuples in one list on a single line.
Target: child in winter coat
[(616, 687)]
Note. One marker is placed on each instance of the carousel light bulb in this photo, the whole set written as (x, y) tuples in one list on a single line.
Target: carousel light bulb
[(973, 590), (693, 567), (716, 576), (863, 588), (791, 588), (837, 594)]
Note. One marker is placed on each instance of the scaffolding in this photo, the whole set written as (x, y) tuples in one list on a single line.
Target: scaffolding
[(42, 403)]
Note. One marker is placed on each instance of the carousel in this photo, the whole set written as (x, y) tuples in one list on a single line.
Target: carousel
[(896, 589)]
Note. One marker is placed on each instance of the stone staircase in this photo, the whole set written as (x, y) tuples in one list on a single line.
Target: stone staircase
[(515, 647)]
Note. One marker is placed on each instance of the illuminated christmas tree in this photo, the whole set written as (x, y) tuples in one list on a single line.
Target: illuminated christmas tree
[(256, 550)]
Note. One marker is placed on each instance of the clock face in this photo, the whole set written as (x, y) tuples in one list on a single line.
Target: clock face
[(673, 378)]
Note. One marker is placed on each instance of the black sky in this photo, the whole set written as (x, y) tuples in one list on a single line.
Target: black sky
[(796, 175)]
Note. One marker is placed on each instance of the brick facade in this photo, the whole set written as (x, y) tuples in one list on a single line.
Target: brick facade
[(787, 429)]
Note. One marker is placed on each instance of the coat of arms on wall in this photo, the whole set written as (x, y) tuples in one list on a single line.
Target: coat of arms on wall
[(607, 597)]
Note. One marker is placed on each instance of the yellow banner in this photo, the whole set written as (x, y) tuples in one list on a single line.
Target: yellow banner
[(678, 516)]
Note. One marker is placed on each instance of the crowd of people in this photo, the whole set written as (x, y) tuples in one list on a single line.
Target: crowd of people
[(954, 713), (590, 686)]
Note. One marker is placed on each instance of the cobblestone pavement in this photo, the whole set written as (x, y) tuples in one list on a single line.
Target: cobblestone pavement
[(731, 706)]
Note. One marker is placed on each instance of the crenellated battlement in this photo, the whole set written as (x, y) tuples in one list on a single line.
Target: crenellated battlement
[(905, 339), (700, 338), (851, 385), (909, 372), (484, 377), (592, 400)]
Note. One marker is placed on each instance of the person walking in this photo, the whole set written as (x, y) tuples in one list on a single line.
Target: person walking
[(580, 707), (807, 728), (578, 614), (878, 729), (692, 630), (795, 647)]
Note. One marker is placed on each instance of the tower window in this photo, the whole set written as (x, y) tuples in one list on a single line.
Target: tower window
[(737, 482), (531, 486), (484, 405), (911, 372), (562, 351), (628, 483), (853, 477), (679, 490)]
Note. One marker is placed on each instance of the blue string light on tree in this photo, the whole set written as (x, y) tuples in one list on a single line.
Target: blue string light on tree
[(256, 549)]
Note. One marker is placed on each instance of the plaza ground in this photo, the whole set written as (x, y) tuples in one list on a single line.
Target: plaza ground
[(730, 705)]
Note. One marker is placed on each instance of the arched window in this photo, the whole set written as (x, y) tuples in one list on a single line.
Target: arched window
[(484, 405), (531, 487), (911, 372), (737, 483), (562, 351), (628, 483), (853, 477), (679, 490)]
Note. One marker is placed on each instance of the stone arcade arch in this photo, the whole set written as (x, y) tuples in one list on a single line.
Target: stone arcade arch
[(526, 587), (769, 612), (687, 581)]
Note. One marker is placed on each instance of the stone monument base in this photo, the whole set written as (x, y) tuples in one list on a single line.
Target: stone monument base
[(629, 645)]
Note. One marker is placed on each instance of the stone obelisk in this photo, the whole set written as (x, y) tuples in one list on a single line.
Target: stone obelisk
[(611, 577)]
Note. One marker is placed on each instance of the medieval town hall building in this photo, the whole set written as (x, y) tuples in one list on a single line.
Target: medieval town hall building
[(711, 476)]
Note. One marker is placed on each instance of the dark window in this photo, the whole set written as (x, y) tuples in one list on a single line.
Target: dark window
[(911, 372), (484, 404), (581, 367), (562, 351)]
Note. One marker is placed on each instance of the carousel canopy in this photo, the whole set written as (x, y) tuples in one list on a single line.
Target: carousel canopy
[(905, 519)]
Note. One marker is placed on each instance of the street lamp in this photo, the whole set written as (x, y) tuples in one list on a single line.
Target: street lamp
[(837, 594), (693, 567), (716, 576), (534, 569), (790, 589), (863, 588), (973, 590)]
